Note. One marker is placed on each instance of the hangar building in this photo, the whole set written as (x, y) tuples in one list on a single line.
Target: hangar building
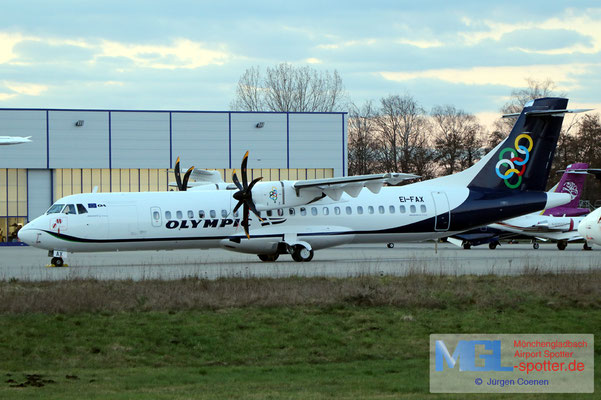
[(72, 151)]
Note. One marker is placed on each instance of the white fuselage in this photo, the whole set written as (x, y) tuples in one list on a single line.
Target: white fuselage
[(590, 227), (204, 219)]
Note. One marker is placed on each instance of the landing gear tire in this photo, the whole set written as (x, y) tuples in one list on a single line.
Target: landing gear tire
[(57, 262), (467, 246), (535, 246), (586, 246), (492, 245), (302, 254), (390, 245), (268, 257), (561, 245)]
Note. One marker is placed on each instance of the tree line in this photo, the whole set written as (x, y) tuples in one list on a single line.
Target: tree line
[(396, 134)]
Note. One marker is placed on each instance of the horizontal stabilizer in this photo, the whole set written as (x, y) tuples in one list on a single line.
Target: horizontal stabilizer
[(543, 113)]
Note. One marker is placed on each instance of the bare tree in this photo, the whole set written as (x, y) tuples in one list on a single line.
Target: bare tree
[(286, 87), (361, 140), (518, 98), (457, 141), (402, 131)]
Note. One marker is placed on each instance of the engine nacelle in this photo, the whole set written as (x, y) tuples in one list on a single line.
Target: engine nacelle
[(279, 194)]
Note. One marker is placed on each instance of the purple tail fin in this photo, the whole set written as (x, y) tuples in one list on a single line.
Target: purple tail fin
[(572, 183)]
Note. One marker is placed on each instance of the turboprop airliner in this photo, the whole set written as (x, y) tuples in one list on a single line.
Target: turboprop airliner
[(299, 217)]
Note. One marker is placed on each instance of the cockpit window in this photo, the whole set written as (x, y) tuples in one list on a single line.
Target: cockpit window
[(69, 209), (55, 209), (81, 209)]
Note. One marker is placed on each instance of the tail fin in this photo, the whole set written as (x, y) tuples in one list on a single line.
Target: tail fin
[(572, 182), (523, 160)]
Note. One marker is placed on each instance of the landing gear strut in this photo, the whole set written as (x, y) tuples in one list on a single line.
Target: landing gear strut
[(467, 245), (586, 246)]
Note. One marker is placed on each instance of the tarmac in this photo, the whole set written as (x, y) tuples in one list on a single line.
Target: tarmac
[(30, 264)]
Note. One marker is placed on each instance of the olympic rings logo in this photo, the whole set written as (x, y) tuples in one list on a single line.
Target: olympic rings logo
[(273, 194), (514, 162)]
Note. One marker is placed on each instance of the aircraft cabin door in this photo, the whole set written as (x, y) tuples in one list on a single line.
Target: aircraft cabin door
[(442, 220), (155, 216)]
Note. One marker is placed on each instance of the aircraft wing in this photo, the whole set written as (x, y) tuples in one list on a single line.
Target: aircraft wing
[(352, 185)]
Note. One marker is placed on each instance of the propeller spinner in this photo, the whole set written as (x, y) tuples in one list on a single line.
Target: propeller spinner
[(244, 195), (181, 185)]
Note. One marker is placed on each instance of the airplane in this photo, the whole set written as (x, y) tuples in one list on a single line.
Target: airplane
[(299, 217), (590, 227), (558, 223), (8, 140)]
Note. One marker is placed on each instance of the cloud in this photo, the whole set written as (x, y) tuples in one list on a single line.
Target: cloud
[(29, 89), (511, 76), (183, 53), (7, 96), (586, 26), (422, 44), (313, 60), (7, 44)]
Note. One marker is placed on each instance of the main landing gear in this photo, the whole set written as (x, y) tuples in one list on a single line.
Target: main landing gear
[(57, 258), (562, 244), (57, 262), (300, 252), (535, 244), (586, 246)]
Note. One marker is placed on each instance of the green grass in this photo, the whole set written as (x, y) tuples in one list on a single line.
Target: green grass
[(354, 347)]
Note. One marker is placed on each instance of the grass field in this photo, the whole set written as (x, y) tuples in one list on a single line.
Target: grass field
[(296, 338)]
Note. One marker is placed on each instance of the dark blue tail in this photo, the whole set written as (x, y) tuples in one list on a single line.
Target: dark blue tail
[(523, 160)]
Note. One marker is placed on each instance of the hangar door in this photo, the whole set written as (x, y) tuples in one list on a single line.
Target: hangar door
[(39, 191), (442, 220)]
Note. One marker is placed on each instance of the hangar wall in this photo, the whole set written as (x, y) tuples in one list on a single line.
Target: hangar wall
[(74, 150)]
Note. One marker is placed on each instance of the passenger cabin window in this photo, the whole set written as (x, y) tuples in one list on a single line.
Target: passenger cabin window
[(381, 209), (56, 208), (69, 209), (167, 214), (179, 215), (269, 213), (337, 210), (326, 211), (392, 209), (303, 211), (313, 210), (402, 209), (236, 214), (412, 208), (156, 215), (359, 210), (212, 213), (224, 213), (201, 214), (423, 208), (370, 209), (190, 214), (81, 209), (280, 212), (291, 211), (349, 210)]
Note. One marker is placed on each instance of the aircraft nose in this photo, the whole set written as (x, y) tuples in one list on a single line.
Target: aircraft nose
[(26, 235)]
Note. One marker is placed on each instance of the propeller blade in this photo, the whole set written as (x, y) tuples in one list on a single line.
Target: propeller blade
[(238, 206), (253, 183), (254, 210), (178, 178), (236, 181), (243, 170), (186, 178), (245, 220)]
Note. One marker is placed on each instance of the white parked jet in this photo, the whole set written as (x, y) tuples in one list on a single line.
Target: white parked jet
[(6, 140), (298, 217), (590, 227)]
